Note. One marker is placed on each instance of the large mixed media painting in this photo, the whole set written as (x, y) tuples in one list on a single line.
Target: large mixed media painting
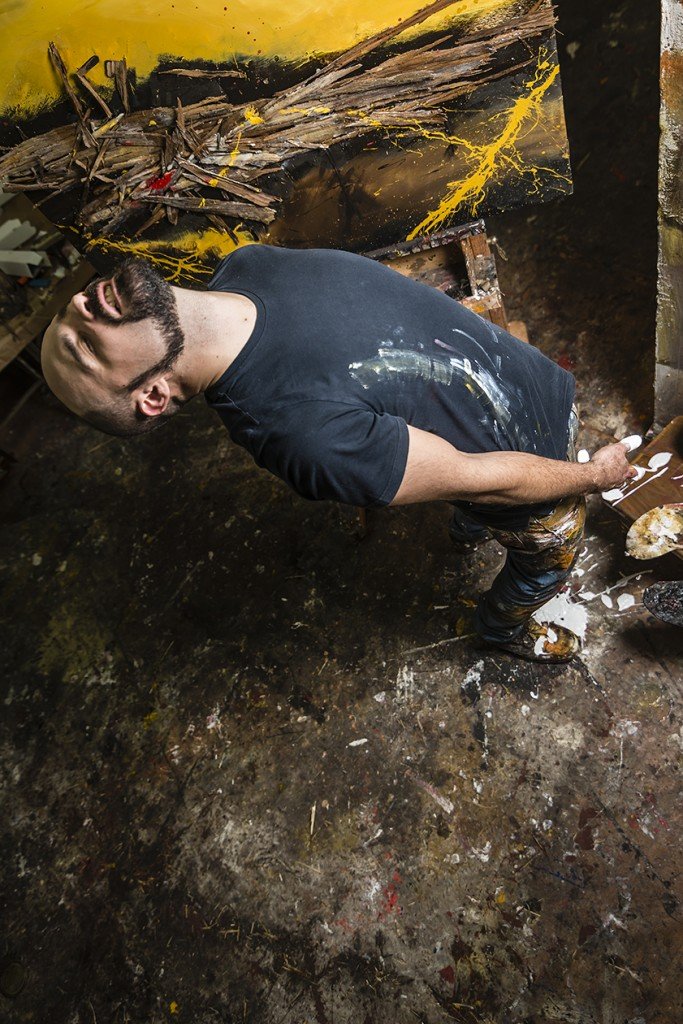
[(179, 131)]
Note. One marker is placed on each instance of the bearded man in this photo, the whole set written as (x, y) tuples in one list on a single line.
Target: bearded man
[(355, 384)]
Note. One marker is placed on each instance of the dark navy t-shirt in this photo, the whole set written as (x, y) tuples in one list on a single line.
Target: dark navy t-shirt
[(346, 352)]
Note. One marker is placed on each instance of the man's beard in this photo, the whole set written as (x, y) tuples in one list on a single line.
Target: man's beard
[(142, 292)]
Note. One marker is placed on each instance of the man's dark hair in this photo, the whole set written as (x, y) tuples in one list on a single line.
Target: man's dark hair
[(120, 422)]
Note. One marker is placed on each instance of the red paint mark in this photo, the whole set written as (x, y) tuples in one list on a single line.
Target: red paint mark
[(566, 362), (159, 184), (344, 923), (448, 975), (391, 897), (633, 821)]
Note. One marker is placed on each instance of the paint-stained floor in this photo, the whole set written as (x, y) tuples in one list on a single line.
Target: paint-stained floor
[(254, 769)]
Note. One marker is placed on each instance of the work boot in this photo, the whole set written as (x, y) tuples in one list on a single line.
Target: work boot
[(544, 643)]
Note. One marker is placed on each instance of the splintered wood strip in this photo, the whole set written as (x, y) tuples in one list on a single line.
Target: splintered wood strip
[(98, 159), (121, 82), (201, 205), (403, 94), (196, 73), (368, 45), (227, 184), (60, 68), (81, 73), (157, 214)]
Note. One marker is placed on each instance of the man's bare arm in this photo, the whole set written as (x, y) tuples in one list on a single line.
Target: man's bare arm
[(436, 471)]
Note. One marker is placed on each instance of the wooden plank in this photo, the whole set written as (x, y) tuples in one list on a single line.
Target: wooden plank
[(660, 481), (481, 270)]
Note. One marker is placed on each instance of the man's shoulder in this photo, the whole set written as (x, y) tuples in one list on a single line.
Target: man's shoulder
[(242, 256)]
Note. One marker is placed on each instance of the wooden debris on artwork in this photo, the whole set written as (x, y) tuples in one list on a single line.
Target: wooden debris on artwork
[(214, 146)]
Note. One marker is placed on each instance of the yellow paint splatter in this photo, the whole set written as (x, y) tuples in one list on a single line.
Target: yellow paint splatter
[(256, 28), (489, 158), (252, 115), (192, 254), (234, 153), (173, 1007)]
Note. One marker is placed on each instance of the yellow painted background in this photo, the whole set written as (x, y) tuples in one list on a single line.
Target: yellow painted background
[(215, 30)]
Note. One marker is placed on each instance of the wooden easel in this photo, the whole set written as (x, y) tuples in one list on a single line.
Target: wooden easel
[(430, 259)]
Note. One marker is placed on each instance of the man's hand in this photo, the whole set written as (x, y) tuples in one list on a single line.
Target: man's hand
[(611, 468)]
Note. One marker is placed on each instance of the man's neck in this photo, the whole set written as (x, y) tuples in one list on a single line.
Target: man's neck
[(217, 326)]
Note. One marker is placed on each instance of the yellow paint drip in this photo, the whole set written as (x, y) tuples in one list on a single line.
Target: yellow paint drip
[(192, 254), (214, 32), (489, 158)]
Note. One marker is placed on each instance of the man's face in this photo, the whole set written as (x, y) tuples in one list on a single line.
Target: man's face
[(103, 339)]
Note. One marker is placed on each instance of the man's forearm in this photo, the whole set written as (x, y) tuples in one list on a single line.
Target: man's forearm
[(516, 478), (436, 471)]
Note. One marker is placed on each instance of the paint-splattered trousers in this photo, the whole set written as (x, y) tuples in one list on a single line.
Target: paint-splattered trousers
[(540, 557)]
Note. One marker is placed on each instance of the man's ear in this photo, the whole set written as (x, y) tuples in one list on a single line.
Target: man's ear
[(152, 398)]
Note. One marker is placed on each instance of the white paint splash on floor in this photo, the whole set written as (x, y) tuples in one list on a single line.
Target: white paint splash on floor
[(405, 685), (562, 611)]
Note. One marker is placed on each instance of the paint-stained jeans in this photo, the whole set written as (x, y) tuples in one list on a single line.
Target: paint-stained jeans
[(539, 559)]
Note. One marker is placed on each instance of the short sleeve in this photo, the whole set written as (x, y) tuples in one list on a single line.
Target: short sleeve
[(330, 450)]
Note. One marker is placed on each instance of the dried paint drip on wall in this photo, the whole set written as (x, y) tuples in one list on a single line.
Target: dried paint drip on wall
[(296, 128)]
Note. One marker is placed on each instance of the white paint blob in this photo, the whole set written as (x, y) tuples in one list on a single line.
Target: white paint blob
[(625, 601), (539, 646), (561, 611), (357, 743), (659, 460), (607, 600), (583, 456), (632, 442), (612, 495)]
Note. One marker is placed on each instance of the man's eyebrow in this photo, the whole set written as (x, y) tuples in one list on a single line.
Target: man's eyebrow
[(74, 352)]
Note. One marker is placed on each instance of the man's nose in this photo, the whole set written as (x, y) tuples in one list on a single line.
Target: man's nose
[(79, 303)]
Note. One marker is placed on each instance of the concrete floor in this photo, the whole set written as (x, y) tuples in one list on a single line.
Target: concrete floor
[(254, 770)]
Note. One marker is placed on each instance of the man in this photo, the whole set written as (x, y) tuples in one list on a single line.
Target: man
[(354, 383)]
